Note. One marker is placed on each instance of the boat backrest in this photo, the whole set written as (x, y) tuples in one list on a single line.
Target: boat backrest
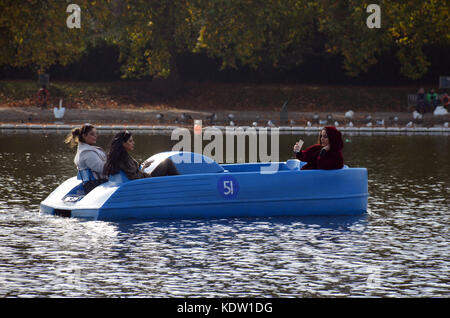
[(118, 177), (293, 164), (85, 175)]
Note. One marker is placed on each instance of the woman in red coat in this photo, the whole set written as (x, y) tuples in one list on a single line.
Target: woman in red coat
[(327, 154)]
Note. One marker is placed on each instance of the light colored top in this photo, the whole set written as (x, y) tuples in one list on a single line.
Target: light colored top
[(90, 157)]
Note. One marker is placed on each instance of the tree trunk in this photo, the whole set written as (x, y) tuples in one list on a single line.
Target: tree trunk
[(172, 85), (174, 80)]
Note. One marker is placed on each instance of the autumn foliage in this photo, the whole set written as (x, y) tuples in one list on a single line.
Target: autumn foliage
[(150, 34)]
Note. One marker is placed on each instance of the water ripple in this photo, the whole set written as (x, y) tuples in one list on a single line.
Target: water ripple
[(400, 248)]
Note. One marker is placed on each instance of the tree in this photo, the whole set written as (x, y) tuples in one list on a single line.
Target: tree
[(343, 24), (406, 27), (415, 25), (255, 32), (152, 33), (34, 32)]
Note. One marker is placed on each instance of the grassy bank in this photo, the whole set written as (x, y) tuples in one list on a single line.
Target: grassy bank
[(210, 96)]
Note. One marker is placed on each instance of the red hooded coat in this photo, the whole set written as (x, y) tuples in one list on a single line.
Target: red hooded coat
[(315, 158)]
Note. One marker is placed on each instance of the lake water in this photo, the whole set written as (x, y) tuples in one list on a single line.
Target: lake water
[(401, 247)]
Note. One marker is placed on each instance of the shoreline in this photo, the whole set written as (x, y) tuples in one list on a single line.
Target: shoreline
[(148, 116), (282, 129), (34, 118)]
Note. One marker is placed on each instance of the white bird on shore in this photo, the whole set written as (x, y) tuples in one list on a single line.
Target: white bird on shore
[(254, 124), (349, 114), (308, 124), (270, 123), (369, 124), (160, 117), (336, 123), (446, 124), (417, 115), (231, 123), (350, 124), (59, 112), (409, 124), (440, 110)]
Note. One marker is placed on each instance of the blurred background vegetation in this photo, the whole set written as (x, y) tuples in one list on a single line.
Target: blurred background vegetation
[(156, 48)]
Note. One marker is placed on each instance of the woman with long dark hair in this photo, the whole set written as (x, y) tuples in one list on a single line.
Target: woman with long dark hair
[(326, 154), (119, 159)]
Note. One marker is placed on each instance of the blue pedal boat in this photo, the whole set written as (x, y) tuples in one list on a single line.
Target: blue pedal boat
[(205, 189)]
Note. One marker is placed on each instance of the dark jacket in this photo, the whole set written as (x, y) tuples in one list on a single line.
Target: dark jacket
[(131, 169), (316, 158)]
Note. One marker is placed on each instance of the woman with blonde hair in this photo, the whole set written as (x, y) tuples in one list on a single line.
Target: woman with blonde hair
[(88, 155)]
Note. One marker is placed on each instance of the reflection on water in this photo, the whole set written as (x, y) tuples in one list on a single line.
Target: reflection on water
[(400, 248)]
